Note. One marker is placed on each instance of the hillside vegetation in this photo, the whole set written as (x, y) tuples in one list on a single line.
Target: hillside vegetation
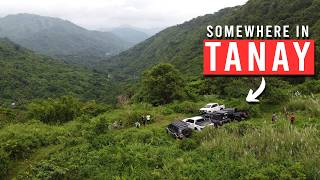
[(109, 147), (25, 76)]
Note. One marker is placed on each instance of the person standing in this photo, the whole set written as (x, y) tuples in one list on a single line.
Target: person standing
[(292, 118), (274, 117), (137, 124), (148, 117), (143, 120)]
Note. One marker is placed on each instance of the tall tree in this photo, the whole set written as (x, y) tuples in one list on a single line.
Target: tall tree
[(161, 84)]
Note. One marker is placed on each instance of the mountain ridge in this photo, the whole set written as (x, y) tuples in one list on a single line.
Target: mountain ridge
[(182, 45), (56, 37)]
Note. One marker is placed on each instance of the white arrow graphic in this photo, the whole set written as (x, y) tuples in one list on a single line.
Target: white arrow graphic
[(252, 97)]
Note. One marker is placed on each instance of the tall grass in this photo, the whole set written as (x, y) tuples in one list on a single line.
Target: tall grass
[(310, 105)]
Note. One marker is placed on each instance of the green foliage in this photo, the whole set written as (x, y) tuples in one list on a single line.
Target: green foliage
[(161, 84), (55, 110), (311, 105), (90, 149), (188, 144), (26, 76), (6, 116), (48, 171), (4, 163), (92, 108), (101, 126), (277, 91), (254, 110), (308, 87), (185, 107), (19, 140)]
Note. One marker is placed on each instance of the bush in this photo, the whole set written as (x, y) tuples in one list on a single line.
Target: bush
[(309, 87), (310, 104), (253, 109), (48, 170), (92, 108), (18, 141), (55, 110), (161, 84), (188, 144), (4, 163), (101, 126), (185, 107)]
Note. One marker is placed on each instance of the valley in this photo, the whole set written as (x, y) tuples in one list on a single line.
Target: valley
[(68, 111)]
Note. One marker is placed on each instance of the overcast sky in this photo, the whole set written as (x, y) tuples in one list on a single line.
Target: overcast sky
[(97, 14)]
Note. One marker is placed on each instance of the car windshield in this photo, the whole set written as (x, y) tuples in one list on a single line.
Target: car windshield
[(200, 121), (207, 106)]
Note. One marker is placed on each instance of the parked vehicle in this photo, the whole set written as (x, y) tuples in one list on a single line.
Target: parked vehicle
[(179, 129), (235, 114), (197, 123), (211, 107), (218, 118)]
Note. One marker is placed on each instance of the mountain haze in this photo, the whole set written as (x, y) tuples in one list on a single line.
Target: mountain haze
[(130, 35), (57, 37)]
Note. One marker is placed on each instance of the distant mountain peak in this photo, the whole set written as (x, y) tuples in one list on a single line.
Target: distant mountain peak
[(57, 37)]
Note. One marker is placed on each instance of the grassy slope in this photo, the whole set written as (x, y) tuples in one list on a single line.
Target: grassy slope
[(251, 149)]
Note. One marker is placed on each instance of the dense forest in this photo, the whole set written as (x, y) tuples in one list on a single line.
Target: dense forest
[(60, 121), (26, 76)]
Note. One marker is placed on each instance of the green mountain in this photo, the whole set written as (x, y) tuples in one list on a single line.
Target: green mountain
[(57, 37), (182, 45), (130, 34), (25, 76)]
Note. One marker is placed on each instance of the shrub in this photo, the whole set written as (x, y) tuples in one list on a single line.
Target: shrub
[(162, 84), (310, 104), (188, 144), (101, 126), (92, 108), (252, 109), (185, 107), (4, 163), (48, 170), (55, 110), (309, 87)]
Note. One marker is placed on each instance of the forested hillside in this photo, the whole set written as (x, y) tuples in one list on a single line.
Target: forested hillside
[(182, 45), (130, 34), (25, 76), (57, 37)]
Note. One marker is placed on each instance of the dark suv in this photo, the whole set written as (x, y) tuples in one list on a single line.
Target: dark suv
[(179, 129)]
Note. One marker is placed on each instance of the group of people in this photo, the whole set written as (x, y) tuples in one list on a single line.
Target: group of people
[(143, 120), (289, 116)]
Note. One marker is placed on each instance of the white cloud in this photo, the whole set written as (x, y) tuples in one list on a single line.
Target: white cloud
[(95, 14)]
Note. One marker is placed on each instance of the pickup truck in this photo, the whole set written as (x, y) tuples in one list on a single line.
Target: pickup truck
[(211, 107)]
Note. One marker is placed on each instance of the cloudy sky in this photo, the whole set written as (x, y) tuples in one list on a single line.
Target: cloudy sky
[(98, 14)]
